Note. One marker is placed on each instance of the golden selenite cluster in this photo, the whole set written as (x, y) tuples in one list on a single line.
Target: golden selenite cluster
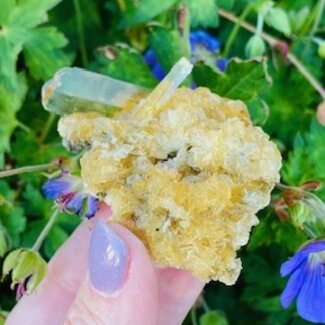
[(187, 181)]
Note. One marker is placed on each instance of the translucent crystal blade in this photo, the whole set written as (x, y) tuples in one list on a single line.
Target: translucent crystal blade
[(164, 90), (77, 90)]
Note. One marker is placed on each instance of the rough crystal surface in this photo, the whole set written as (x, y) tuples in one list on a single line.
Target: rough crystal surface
[(188, 183)]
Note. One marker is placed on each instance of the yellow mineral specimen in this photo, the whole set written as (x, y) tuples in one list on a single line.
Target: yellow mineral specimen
[(188, 182)]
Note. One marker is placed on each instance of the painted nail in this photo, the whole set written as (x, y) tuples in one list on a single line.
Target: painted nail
[(108, 260)]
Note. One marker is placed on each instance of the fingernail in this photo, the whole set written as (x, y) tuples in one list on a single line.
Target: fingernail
[(108, 260)]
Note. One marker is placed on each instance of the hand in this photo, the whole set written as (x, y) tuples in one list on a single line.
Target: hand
[(128, 291)]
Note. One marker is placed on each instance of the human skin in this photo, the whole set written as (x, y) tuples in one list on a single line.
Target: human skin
[(149, 296)]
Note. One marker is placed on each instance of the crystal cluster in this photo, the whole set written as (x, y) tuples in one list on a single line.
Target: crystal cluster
[(188, 181)]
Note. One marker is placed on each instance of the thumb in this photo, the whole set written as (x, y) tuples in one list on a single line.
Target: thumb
[(120, 282)]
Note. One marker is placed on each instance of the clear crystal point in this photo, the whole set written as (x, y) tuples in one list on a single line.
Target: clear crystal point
[(78, 90)]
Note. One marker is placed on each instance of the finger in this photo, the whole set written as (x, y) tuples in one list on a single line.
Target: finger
[(57, 291), (178, 290), (121, 286)]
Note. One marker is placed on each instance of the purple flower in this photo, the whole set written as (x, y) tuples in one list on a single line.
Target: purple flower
[(70, 195), (307, 281), (204, 47)]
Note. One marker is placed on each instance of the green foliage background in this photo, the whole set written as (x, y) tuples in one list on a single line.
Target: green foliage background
[(39, 37)]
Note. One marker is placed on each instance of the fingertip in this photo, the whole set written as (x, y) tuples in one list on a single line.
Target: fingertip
[(127, 302)]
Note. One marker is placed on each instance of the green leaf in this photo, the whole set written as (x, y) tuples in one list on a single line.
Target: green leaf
[(168, 45), (271, 230), (6, 8), (124, 63), (214, 317), (139, 12), (4, 241), (307, 51), (306, 160), (290, 100), (226, 4), (279, 20), (12, 216), (204, 13), (42, 52), (30, 13), (244, 80)]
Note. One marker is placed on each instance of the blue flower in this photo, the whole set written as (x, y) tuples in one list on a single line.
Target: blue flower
[(70, 195), (202, 38), (307, 281), (204, 47)]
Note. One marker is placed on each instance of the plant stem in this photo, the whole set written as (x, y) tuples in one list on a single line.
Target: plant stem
[(45, 230), (82, 43), (193, 315), (204, 303), (320, 8), (235, 30), (273, 42), (47, 128), (260, 23), (23, 127), (27, 169)]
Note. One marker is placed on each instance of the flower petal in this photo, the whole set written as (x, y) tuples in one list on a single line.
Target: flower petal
[(314, 247), (310, 302), (293, 263), (294, 285), (75, 203), (54, 188), (150, 57)]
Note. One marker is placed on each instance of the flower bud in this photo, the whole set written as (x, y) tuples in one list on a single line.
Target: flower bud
[(278, 19), (24, 264), (321, 50), (309, 215), (255, 47), (321, 113)]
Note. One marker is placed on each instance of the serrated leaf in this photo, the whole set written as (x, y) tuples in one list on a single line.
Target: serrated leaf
[(124, 63), (244, 80), (203, 13), (42, 52), (306, 160), (30, 13), (142, 11), (10, 102), (241, 80)]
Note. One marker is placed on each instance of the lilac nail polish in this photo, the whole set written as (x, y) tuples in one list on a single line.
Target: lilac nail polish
[(108, 260)]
